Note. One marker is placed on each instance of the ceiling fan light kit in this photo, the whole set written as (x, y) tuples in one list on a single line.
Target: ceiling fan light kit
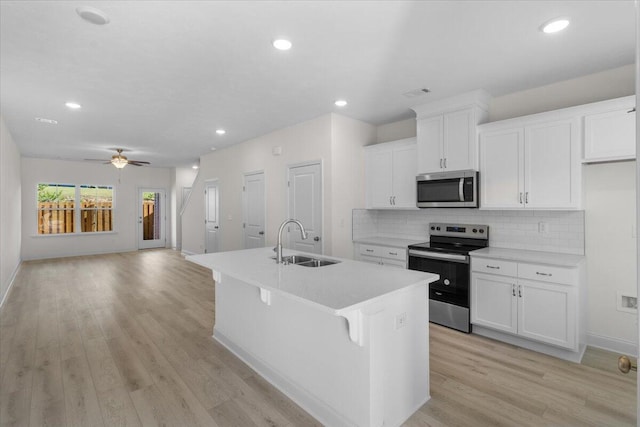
[(120, 161)]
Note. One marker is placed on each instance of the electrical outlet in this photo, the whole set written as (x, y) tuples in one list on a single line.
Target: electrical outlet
[(543, 227), (401, 320)]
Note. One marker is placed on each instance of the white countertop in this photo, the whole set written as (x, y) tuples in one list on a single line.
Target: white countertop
[(336, 288), (534, 257), (391, 242)]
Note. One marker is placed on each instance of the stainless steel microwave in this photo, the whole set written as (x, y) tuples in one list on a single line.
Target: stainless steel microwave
[(448, 189)]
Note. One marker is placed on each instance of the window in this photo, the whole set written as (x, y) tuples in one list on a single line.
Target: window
[(57, 213), (96, 206)]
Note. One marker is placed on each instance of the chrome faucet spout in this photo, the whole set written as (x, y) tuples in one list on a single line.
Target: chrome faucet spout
[(278, 248)]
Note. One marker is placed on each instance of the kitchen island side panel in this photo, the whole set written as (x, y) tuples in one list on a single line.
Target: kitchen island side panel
[(308, 355)]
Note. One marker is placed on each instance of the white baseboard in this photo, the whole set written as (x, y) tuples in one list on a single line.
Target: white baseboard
[(187, 253), (72, 254), (615, 345), (12, 279)]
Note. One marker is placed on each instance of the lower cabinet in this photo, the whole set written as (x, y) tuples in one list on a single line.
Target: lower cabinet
[(382, 255), (539, 310)]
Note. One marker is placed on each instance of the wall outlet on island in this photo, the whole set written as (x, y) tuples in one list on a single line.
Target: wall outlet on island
[(401, 320)]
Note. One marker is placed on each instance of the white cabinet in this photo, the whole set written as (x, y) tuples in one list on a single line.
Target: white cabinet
[(610, 131), (538, 302), (530, 166), (447, 134), (382, 255), (391, 175)]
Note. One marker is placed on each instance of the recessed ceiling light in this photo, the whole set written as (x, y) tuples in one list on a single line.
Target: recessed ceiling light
[(221, 131), (93, 15), (73, 105), (282, 44), (49, 121), (340, 102), (555, 25), (213, 148), (194, 167)]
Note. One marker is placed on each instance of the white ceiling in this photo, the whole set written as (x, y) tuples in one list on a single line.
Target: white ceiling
[(163, 75)]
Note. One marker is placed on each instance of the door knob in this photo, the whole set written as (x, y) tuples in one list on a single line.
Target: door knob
[(625, 365), (316, 239), (261, 233), (216, 227)]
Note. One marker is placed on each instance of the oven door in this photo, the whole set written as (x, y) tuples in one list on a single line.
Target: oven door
[(453, 285)]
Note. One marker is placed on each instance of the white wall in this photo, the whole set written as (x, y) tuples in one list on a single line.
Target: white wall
[(10, 209), (396, 130), (610, 219), (609, 84), (181, 178), (307, 141), (125, 220), (349, 136), (335, 140)]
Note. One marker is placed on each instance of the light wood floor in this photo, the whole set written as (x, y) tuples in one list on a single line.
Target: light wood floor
[(125, 339)]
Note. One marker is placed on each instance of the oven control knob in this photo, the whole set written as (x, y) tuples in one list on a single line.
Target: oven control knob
[(447, 282), (433, 228), (475, 230), (481, 231), (438, 228)]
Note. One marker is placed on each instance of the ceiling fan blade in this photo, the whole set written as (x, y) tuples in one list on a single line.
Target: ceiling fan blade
[(95, 160), (139, 162), (135, 164)]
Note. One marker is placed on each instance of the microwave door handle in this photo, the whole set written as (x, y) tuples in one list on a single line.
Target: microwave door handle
[(461, 189)]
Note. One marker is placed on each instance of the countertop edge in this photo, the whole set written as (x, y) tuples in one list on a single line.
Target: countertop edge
[(557, 259)]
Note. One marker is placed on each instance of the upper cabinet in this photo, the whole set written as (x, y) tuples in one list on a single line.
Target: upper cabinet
[(447, 134), (610, 131), (391, 175), (530, 164)]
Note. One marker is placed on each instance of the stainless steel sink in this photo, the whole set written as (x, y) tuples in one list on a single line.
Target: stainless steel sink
[(317, 263), (305, 261)]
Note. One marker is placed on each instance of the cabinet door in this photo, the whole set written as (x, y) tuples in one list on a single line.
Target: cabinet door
[(430, 138), (501, 169), (379, 167), (493, 302), (547, 313), (369, 259), (610, 135), (404, 177), (459, 137), (551, 165)]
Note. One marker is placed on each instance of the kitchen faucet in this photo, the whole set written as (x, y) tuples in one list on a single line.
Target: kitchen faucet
[(278, 248)]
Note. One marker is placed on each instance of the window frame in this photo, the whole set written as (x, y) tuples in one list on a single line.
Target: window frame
[(77, 209)]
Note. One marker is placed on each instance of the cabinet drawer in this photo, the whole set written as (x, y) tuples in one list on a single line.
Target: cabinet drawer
[(384, 252), (370, 250), (546, 273), (494, 266)]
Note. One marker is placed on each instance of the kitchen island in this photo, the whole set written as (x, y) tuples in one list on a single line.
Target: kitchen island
[(348, 342)]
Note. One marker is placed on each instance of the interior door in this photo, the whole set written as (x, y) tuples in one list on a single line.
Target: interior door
[(151, 218), (212, 220), (254, 210), (305, 205)]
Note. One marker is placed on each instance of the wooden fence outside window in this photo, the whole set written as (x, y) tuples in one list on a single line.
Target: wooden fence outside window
[(59, 217)]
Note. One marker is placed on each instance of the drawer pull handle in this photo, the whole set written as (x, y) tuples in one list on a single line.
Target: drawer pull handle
[(493, 267), (393, 253), (369, 250), (544, 274), (438, 293)]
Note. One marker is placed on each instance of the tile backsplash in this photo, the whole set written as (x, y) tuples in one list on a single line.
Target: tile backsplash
[(507, 229)]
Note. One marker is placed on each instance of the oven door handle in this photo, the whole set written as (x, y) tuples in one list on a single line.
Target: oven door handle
[(461, 189), (436, 255)]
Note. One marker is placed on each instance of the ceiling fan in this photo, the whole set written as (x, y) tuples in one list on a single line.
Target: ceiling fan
[(120, 161)]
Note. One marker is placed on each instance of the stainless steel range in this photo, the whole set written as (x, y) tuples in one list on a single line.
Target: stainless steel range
[(447, 254)]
